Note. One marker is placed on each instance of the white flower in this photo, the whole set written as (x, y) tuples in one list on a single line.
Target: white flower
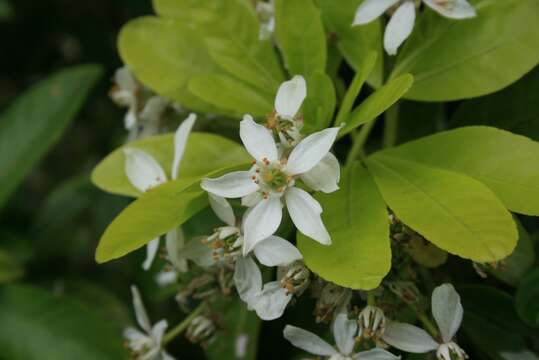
[(344, 332), (269, 300), (125, 94), (447, 311), (372, 322), (146, 344), (145, 173), (402, 21), (266, 16), (271, 180)]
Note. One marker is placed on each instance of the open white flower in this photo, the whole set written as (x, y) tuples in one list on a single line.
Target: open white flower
[(145, 173), (448, 312), (146, 344), (271, 181), (402, 21), (344, 332), (269, 300)]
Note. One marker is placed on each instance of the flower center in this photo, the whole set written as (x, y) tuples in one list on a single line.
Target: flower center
[(225, 243), (271, 177)]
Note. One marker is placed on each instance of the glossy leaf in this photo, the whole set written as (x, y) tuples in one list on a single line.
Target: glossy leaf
[(37, 325), (357, 220), (453, 60), (37, 119), (354, 42), (153, 214), (226, 93), (490, 321), (320, 103), (501, 160), (238, 339), (527, 298), (514, 108), (231, 33), (514, 267), (217, 152), (455, 212), (381, 100), (301, 36)]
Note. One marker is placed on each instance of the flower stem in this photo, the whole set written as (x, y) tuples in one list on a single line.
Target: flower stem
[(391, 126), (427, 323), (359, 141), (178, 329), (370, 299)]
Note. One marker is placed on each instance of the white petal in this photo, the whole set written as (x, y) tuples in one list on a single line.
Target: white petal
[(142, 170), (130, 119), (233, 185), (308, 341), (305, 213), (151, 251), (325, 176), (140, 311), (276, 251), (311, 150), (399, 27), (261, 222), (175, 241), (134, 335), (290, 96), (375, 354), (257, 139), (272, 301), (198, 252), (409, 338), (344, 332), (251, 199), (453, 9), (447, 310), (180, 142), (222, 209), (371, 9), (248, 279), (158, 331), (124, 78)]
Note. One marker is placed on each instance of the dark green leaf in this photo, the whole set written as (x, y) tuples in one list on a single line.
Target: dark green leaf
[(527, 298), (37, 119)]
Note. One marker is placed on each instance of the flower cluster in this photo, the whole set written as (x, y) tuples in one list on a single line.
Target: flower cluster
[(403, 16)]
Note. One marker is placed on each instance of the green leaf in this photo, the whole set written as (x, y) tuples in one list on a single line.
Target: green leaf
[(497, 158), (319, 106), (355, 87), (301, 36), (157, 211), (217, 152), (513, 268), (527, 298), (164, 54), (37, 120), (237, 322), (514, 109), (490, 321), (231, 33), (381, 100), (38, 325), (10, 268), (226, 93), (453, 60), (455, 212), (354, 42), (356, 218)]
